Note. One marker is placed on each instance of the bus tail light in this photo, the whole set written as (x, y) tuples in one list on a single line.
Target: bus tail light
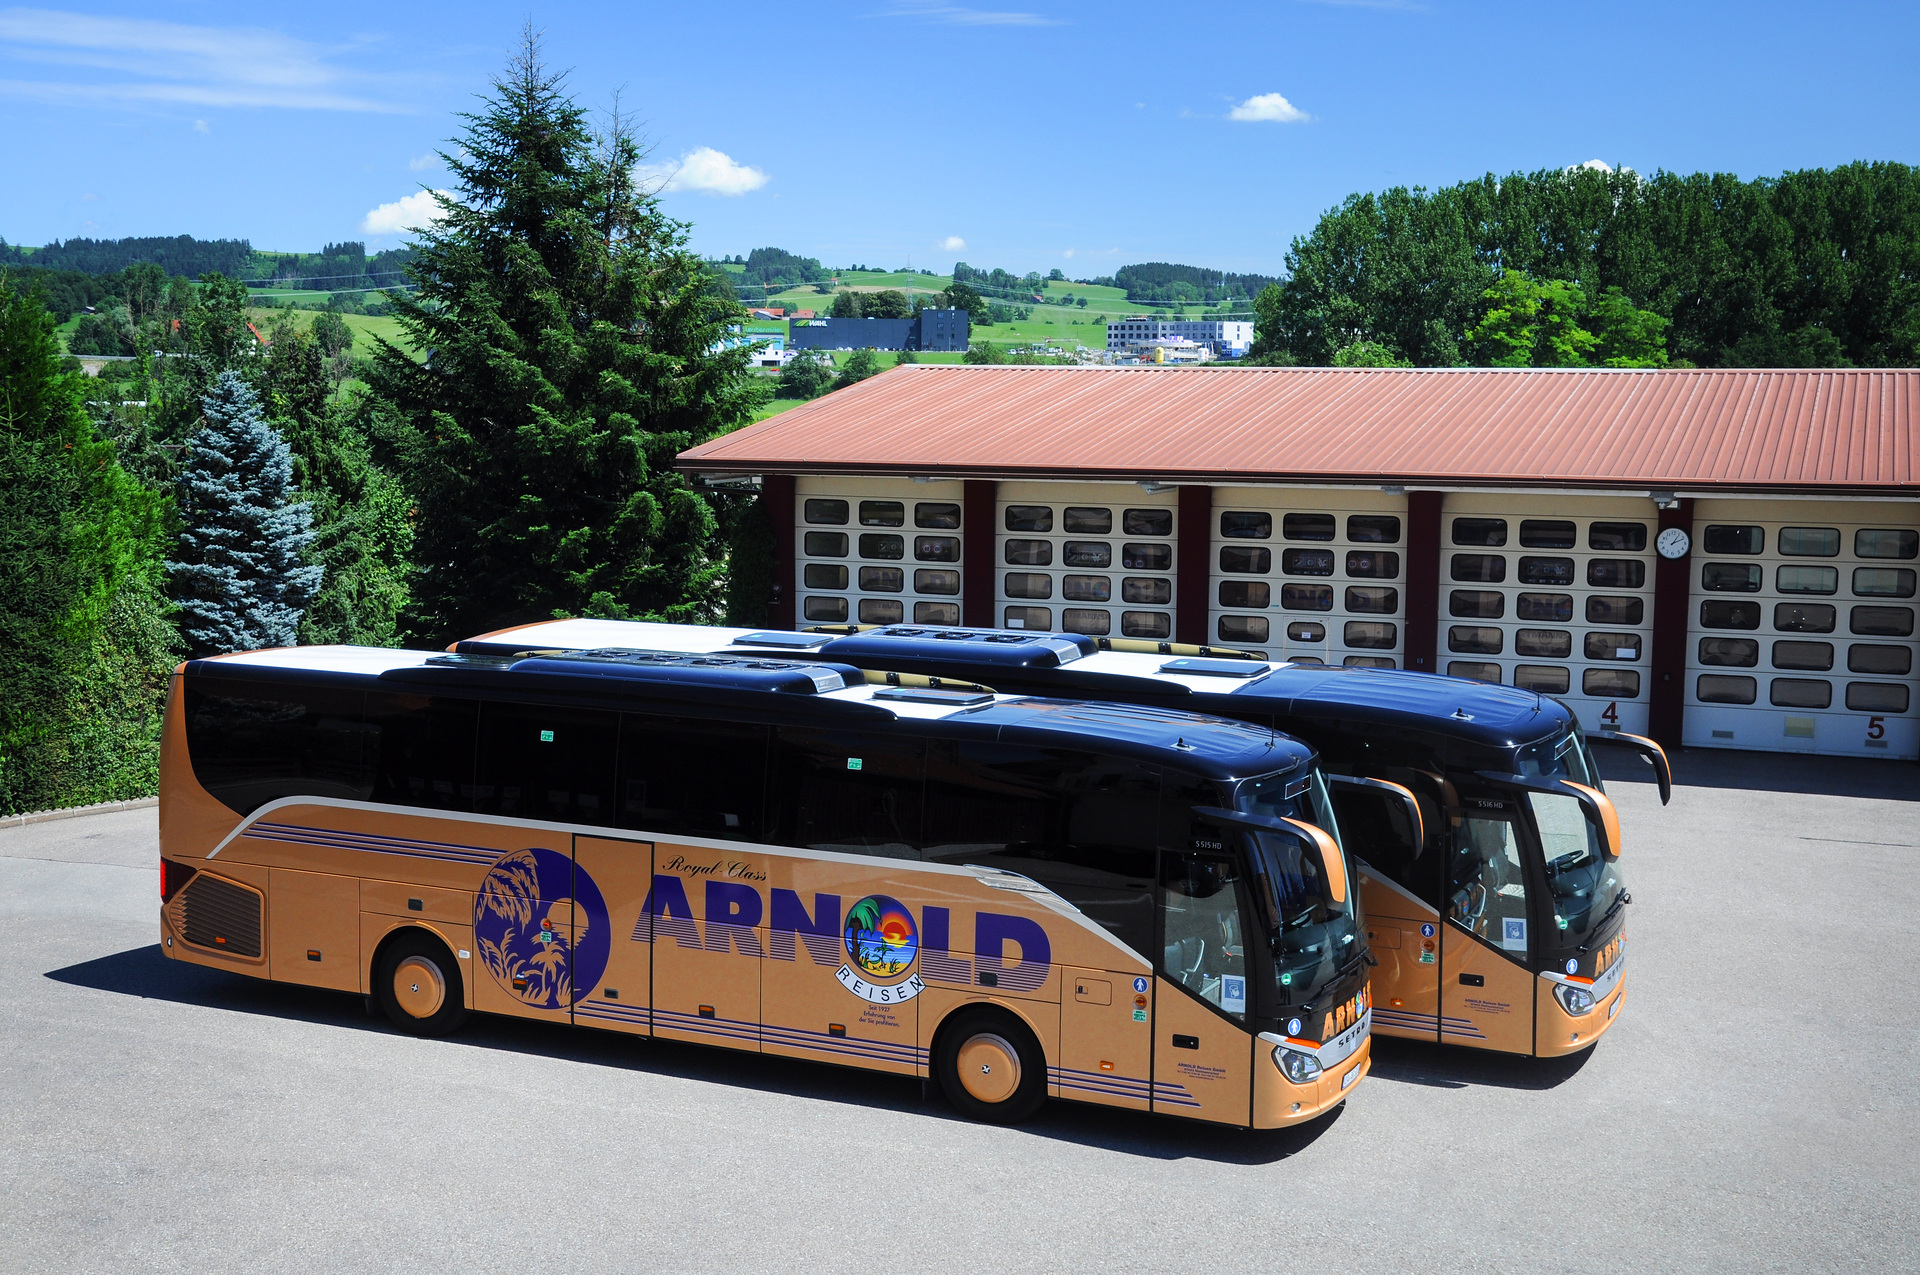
[(1300, 1068), (172, 877)]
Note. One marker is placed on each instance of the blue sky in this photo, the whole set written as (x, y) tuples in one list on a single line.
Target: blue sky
[(1027, 134)]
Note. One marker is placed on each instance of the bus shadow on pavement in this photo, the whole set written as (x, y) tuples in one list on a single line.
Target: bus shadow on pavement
[(1802, 773), (1416, 1062), (145, 973)]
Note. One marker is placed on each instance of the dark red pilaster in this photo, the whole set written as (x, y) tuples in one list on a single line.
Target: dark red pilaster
[(776, 497), (1193, 578), (1422, 638), (979, 523), (1672, 598)]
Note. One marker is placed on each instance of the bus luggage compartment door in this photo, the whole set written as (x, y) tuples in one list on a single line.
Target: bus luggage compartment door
[(620, 873), (1486, 989), (707, 971), (1106, 1037)]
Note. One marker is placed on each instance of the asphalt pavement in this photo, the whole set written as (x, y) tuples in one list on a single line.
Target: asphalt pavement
[(1753, 1110)]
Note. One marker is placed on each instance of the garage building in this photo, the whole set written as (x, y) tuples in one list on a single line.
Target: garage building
[(1721, 558)]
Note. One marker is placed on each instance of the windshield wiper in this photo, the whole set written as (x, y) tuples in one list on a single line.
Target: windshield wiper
[(1625, 898)]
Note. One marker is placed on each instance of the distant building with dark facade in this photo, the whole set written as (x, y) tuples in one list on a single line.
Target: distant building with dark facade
[(933, 330)]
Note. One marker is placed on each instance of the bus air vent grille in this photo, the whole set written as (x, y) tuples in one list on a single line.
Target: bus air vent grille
[(219, 915)]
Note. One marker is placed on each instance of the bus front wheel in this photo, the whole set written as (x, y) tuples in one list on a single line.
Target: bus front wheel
[(990, 1066), (418, 985)]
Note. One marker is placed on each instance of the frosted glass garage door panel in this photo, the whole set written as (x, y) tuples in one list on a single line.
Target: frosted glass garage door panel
[(1314, 576), (1801, 627), (1093, 558), (876, 551), (1552, 594)]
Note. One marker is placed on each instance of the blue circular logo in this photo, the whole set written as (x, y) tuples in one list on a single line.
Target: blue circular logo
[(1572, 965), (1139, 984), (1293, 1027), (541, 927), (1426, 931)]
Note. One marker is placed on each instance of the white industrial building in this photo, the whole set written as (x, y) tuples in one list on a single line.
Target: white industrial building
[(1227, 338)]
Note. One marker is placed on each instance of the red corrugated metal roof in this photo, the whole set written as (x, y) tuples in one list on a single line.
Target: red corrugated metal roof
[(1748, 429)]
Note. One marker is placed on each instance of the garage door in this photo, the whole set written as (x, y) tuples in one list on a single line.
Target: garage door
[(1311, 576), (877, 551), (1552, 594), (1802, 632), (1086, 558)]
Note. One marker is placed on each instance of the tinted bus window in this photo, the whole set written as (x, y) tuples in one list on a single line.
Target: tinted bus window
[(538, 762), (686, 775), (425, 746), (253, 742), (1080, 824), (1723, 539), (845, 791)]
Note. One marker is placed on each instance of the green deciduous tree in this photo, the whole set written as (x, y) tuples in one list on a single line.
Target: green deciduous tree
[(84, 637), (809, 374), (859, 366), (846, 305), (573, 347), (1368, 354)]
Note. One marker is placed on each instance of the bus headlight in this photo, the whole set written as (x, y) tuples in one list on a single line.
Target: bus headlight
[(1575, 1000), (1295, 1066)]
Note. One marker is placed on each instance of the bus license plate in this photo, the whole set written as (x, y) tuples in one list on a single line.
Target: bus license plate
[(1352, 1075)]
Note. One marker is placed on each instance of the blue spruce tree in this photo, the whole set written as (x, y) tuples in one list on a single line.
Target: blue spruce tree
[(240, 581)]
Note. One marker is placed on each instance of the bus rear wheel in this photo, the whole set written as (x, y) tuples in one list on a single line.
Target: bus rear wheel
[(418, 985), (990, 1066)]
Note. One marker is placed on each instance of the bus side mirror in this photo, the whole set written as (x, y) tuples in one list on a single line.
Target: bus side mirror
[(1391, 792), (1601, 810), (1598, 807), (1311, 838), (1655, 755)]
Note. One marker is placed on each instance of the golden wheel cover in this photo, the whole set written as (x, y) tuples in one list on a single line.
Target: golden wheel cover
[(989, 1067), (418, 987)]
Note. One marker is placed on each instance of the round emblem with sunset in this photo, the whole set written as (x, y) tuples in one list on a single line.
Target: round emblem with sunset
[(881, 937)]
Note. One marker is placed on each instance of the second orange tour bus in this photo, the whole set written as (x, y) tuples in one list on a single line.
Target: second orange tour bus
[(1020, 898)]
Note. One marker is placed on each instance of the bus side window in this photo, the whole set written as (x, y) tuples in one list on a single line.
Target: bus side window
[(1204, 950), (1079, 823), (692, 775), (254, 741), (541, 762), (1488, 891), (425, 746), (845, 791)]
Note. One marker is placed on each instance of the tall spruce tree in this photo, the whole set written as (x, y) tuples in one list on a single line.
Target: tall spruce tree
[(84, 637), (240, 581), (573, 348)]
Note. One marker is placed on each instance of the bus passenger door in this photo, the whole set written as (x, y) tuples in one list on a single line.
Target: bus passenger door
[(1202, 1052), (1486, 988), (1399, 882), (618, 874)]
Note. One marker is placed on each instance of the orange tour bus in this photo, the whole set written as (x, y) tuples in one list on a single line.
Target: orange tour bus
[(1017, 897), (1486, 847)]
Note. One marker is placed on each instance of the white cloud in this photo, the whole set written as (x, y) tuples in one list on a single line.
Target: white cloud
[(705, 170), (200, 126), (1269, 107), (960, 16), (421, 163), (952, 243), (170, 62), (410, 213), (1598, 165)]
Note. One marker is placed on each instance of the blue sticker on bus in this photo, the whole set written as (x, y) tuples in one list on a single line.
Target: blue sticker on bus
[(1139, 984), (1426, 931)]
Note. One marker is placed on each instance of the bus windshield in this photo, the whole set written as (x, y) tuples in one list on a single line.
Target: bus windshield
[(1583, 882), (1563, 757), (1312, 941), (1289, 795)]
